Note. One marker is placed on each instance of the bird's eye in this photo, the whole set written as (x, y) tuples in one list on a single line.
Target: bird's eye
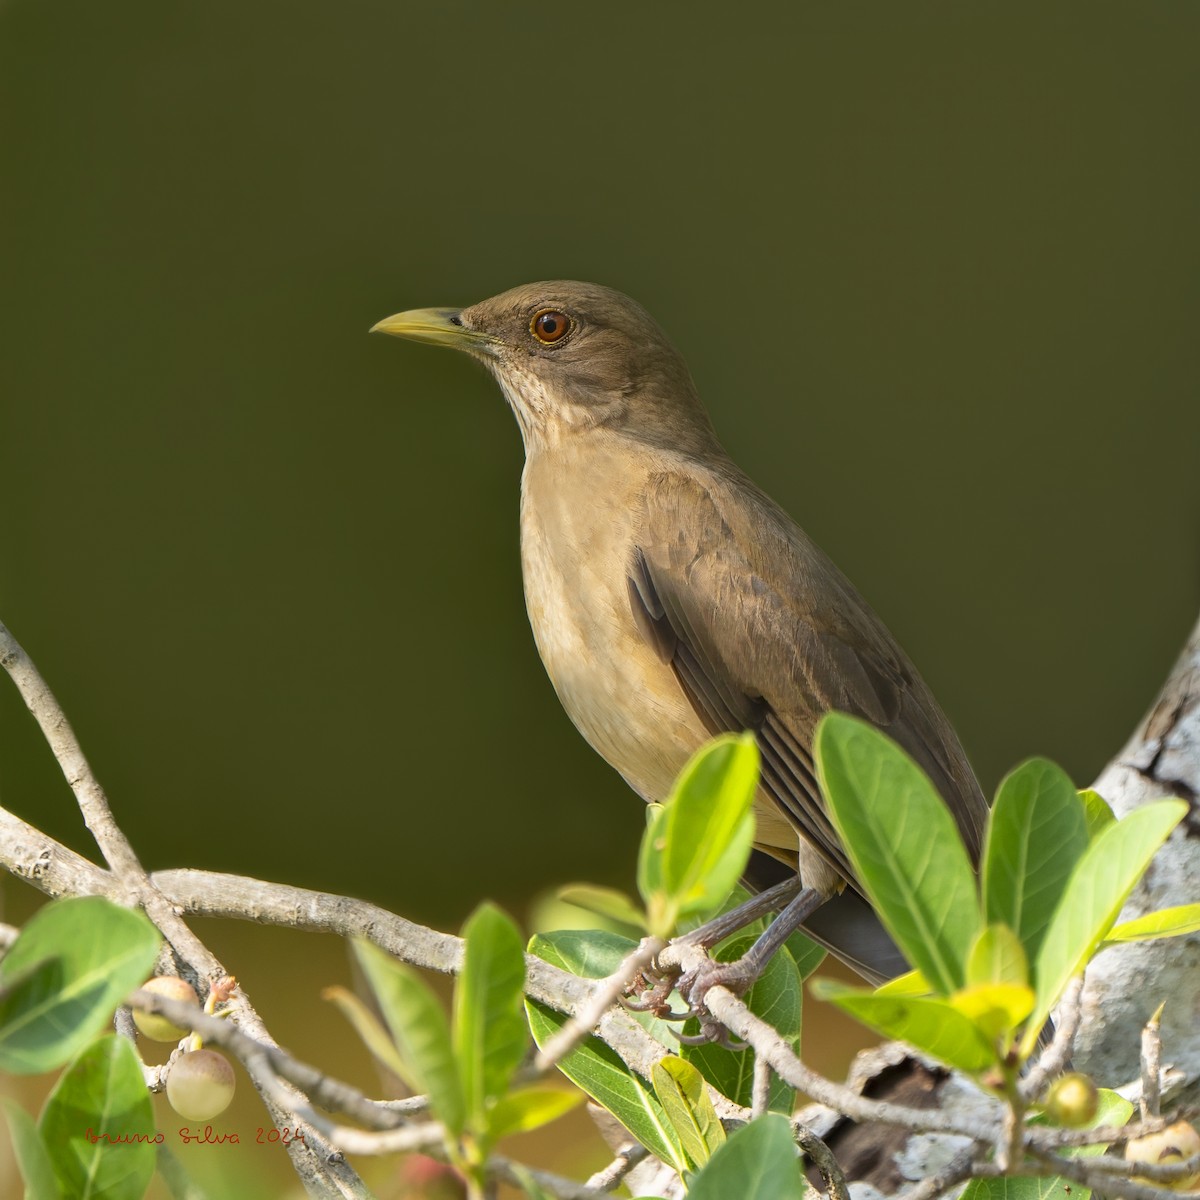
[(550, 326)]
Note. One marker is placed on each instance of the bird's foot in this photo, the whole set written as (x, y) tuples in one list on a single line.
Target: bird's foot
[(694, 986), (650, 991), (653, 989)]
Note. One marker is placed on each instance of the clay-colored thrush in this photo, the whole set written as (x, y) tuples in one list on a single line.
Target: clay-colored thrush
[(672, 600)]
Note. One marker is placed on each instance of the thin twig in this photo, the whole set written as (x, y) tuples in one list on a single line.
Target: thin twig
[(1053, 1060), (1105, 1174), (821, 1157), (760, 1091), (323, 1171), (767, 1042), (952, 1174), (605, 994), (1151, 1097), (610, 1177), (329, 1093)]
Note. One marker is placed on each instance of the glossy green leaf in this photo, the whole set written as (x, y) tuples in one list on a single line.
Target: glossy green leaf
[(597, 954), (697, 846), (1095, 811), (420, 1030), (932, 1025), (682, 1092), (757, 1162), (101, 1093), (593, 1066), (605, 902), (776, 998), (1099, 886), (1036, 833), (489, 1019), (529, 1108), (1164, 923), (903, 844), (63, 977), (599, 1071), (997, 956), (32, 1157)]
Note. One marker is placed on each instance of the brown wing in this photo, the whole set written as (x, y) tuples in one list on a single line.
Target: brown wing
[(764, 633)]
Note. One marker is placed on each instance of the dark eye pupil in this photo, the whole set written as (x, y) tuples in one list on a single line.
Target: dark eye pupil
[(549, 325)]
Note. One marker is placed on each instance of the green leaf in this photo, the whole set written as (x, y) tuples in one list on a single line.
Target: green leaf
[(1036, 834), (697, 846), (681, 1091), (594, 1066), (420, 1030), (1098, 887), (63, 977), (1166, 922), (1113, 1110), (903, 844), (596, 954), (758, 1162), (600, 1072), (101, 1094), (369, 1029), (776, 998), (489, 1020), (995, 1009), (997, 957), (605, 902), (932, 1025), (1010, 1187), (529, 1108), (33, 1158), (1095, 811), (911, 983)]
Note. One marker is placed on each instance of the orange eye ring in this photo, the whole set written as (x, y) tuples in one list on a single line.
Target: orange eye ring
[(550, 326)]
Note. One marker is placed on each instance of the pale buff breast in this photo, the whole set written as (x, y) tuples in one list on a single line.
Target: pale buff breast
[(576, 544)]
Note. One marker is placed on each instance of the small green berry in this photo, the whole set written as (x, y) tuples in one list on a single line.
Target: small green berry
[(1072, 1101), (151, 1025)]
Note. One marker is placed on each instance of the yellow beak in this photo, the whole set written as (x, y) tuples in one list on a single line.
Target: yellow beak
[(439, 326)]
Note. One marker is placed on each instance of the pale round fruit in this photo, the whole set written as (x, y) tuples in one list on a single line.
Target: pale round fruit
[(1174, 1144), (1072, 1101), (156, 1028), (200, 1085)]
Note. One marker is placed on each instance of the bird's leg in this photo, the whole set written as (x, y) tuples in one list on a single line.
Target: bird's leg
[(662, 983), (737, 976), (719, 928)]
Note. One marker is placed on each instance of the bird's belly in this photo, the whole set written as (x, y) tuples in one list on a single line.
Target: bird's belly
[(621, 696), (623, 699)]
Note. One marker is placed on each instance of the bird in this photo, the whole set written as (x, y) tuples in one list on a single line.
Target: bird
[(672, 600)]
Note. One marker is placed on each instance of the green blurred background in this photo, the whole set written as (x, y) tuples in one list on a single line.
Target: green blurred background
[(934, 268)]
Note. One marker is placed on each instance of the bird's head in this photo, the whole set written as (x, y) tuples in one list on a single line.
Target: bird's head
[(572, 357)]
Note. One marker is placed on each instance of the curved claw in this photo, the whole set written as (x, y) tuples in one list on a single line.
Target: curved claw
[(715, 1034)]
